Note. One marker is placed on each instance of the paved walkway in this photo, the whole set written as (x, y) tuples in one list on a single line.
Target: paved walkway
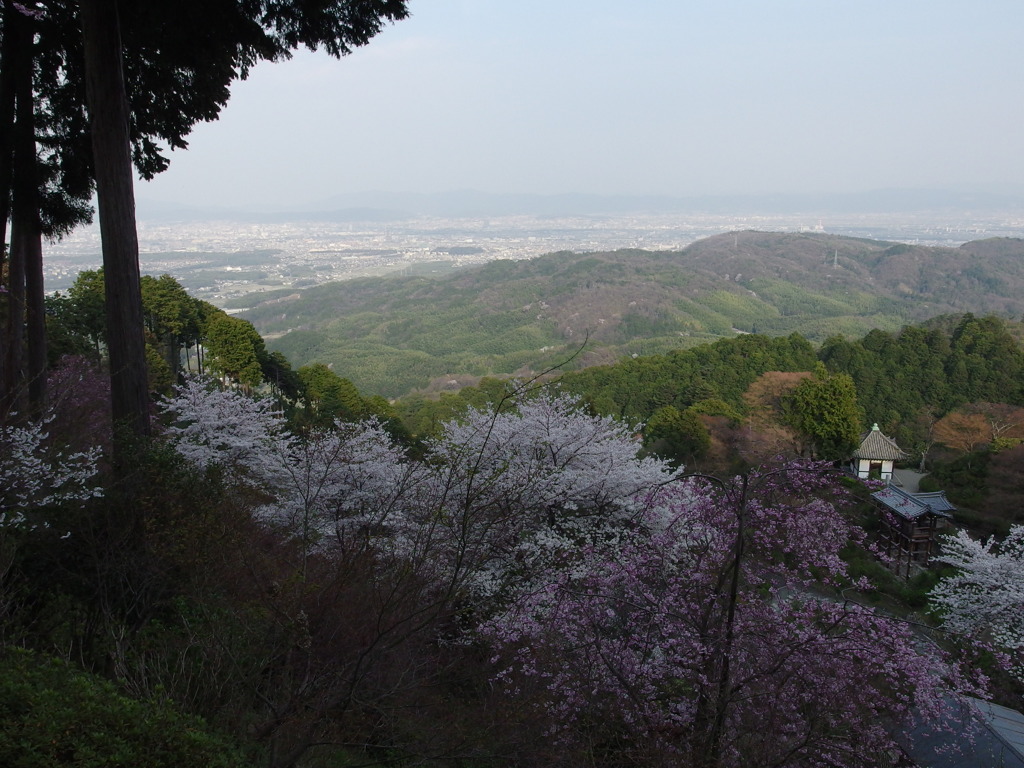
[(907, 479)]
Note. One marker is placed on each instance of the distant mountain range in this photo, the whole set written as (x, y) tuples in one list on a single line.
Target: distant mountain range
[(387, 206), (391, 335)]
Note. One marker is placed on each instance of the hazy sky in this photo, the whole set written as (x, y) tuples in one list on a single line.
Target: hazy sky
[(648, 97)]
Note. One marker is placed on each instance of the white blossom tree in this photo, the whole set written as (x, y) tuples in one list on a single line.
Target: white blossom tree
[(324, 484), (498, 489), (985, 597), (32, 475), (522, 488), (347, 482), (211, 425), (551, 458)]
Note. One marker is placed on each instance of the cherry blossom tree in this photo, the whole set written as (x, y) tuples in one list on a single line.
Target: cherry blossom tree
[(644, 648), (33, 475), (985, 597), (366, 577), (649, 615), (79, 403), (520, 487), (551, 457), (327, 482), (498, 487), (211, 425)]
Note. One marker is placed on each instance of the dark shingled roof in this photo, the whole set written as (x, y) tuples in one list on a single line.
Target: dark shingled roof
[(877, 446), (913, 505), (936, 500), (977, 734)]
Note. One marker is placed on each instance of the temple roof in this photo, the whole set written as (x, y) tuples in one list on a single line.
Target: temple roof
[(976, 734), (936, 500), (878, 447), (913, 505)]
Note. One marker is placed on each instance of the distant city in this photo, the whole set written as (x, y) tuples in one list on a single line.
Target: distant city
[(221, 261)]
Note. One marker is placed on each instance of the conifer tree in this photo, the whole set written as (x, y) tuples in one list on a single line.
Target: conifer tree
[(823, 409)]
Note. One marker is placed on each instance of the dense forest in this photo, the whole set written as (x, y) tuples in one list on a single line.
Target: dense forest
[(640, 559)]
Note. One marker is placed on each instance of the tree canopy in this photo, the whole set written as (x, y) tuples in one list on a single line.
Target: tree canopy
[(823, 409), (677, 436)]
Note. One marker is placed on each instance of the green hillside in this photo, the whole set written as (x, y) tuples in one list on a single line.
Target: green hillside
[(394, 334)]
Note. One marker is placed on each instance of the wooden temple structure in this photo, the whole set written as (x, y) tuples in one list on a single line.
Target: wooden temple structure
[(910, 522)]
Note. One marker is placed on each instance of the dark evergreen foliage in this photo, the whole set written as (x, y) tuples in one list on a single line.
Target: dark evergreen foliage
[(634, 389), (927, 372), (53, 714)]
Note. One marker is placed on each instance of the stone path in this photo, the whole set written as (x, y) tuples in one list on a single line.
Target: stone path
[(907, 479)]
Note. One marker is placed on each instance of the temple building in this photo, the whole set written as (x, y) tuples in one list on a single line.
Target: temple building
[(876, 455)]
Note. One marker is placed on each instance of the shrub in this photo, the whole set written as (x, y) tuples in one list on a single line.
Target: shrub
[(52, 714)]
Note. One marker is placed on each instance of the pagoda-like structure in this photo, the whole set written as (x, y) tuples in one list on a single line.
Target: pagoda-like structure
[(875, 456)]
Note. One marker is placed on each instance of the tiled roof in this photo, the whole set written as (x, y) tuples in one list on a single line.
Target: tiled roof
[(975, 734), (1008, 724), (936, 500), (877, 446), (914, 505)]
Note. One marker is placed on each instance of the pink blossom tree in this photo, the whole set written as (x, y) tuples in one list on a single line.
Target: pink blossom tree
[(78, 404), (654, 648)]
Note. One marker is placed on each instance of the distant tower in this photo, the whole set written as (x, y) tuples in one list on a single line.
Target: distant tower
[(835, 259)]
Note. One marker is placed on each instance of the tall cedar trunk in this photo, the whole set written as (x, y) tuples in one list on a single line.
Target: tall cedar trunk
[(35, 317), (172, 355), (17, 72), (13, 383), (8, 56), (111, 146), (27, 227)]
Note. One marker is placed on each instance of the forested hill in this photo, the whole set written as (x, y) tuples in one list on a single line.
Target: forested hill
[(390, 335)]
